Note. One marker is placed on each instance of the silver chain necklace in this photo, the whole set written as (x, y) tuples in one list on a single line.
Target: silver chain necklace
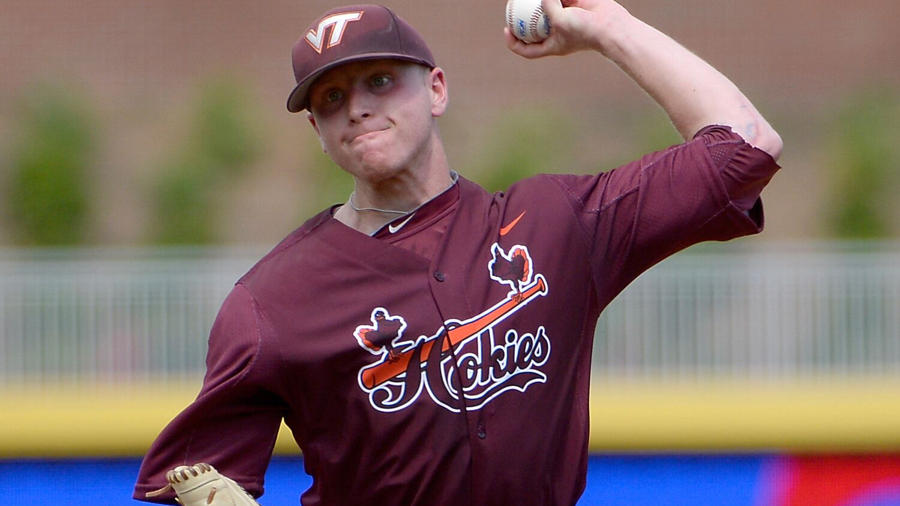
[(386, 211), (453, 176)]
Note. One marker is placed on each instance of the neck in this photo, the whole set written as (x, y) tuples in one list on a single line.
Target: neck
[(400, 194)]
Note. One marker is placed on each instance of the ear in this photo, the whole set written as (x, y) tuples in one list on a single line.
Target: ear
[(437, 85), (312, 121)]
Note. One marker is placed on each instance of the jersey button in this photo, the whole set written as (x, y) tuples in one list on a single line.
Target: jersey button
[(481, 432), (438, 275)]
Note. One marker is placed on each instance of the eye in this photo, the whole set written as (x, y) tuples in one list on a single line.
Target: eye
[(333, 96), (379, 81)]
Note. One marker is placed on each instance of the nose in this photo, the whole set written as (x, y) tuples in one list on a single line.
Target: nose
[(359, 105)]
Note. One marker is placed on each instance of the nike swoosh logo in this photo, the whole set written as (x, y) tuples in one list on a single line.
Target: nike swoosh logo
[(505, 230), (394, 229)]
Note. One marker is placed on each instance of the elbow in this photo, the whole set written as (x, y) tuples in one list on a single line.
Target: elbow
[(757, 132), (770, 142)]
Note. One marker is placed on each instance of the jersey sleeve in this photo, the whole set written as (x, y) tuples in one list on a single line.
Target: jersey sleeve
[(233, 422), (706, 189)]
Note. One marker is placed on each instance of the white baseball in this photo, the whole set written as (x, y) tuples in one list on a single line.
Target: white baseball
[(526, 20)]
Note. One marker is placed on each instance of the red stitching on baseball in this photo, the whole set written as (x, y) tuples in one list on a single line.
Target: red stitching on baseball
[(535, 19)]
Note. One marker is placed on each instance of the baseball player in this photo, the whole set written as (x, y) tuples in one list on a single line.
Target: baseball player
[(428, 342)]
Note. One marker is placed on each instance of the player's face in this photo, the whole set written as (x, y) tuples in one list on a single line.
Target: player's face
[(376, 118)]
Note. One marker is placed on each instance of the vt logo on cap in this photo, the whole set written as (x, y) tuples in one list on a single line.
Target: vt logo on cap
[(315, 38)]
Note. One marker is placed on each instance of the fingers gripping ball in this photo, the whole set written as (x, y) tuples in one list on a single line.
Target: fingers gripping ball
[(526, 20)]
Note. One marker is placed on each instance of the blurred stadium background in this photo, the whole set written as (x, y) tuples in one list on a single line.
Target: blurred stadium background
[(147, 161)]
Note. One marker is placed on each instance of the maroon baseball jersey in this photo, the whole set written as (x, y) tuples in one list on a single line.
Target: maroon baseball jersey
[(461, 378)]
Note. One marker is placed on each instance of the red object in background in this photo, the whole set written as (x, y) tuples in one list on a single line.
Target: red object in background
[(865, 480)]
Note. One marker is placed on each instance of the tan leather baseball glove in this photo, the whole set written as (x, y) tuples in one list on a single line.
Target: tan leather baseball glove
[(202, 485)]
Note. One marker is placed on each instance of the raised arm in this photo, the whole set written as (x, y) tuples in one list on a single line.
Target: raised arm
[(691, 91)]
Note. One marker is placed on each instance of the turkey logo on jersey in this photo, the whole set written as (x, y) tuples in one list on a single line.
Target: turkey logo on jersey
[(513, 269), (463, 358), (383, 335)]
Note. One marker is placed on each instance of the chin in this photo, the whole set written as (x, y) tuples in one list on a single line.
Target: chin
[(375, 169), (375, 176)]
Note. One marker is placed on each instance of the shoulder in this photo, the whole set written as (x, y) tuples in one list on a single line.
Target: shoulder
[(528, 188), (289, 249)]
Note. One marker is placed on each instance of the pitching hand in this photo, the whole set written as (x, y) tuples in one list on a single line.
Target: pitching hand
[(576, 25)]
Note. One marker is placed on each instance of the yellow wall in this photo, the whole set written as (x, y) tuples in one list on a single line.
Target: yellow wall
[(825, 415)]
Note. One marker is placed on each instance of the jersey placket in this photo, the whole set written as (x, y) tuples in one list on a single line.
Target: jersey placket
[(457, 271)]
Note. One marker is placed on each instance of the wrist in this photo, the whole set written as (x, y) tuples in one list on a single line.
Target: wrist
[(615, 33)]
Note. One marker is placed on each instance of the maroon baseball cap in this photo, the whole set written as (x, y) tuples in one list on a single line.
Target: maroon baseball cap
[(352, 33)]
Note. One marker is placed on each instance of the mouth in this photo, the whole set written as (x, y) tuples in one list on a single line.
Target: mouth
[(366, 135)]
